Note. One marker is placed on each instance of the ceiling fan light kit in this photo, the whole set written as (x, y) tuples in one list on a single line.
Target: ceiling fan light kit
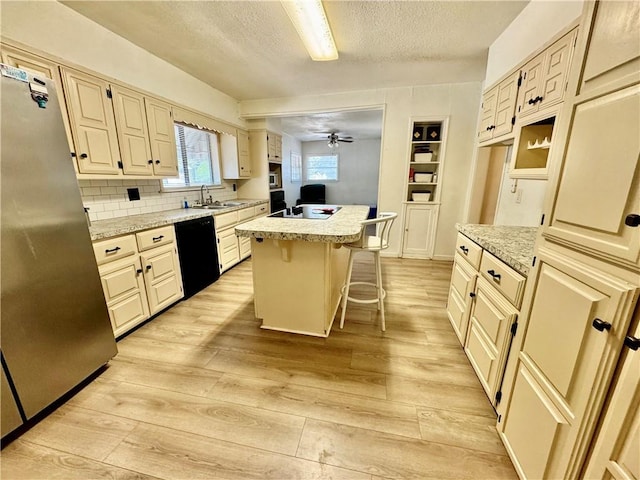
[(311, 23), (334, 138)]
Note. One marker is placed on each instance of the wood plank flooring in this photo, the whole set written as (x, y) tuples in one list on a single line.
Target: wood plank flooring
[(201, 392)]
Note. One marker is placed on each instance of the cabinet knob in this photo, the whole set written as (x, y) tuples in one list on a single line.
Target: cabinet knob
[(472, 295), (150, 162), (601, 325), (632, 342), (632, 220), (538, 99), (157, 162), (148, 267), (139, 271), (83, 155), (531, 101)]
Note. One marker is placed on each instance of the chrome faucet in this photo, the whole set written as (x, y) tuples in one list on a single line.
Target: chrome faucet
[(202, 194)]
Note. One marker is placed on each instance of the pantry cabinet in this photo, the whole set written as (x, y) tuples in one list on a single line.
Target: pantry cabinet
[(92, 123)]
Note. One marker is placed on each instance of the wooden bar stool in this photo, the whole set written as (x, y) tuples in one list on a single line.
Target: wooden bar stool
[(374, 244)]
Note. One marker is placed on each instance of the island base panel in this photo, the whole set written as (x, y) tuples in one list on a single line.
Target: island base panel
[(297, 284)]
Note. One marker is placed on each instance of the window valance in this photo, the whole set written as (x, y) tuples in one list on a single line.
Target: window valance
[(197, 120)]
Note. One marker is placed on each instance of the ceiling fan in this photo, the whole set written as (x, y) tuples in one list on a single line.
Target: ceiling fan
[(334, 138)]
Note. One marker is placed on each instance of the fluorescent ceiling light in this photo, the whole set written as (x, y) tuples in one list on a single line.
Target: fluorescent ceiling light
[(311, 23)]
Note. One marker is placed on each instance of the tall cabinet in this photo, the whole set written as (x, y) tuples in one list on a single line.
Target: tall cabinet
[(561, 415), (424, 179)]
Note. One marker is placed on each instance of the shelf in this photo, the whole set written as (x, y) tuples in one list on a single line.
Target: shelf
[(424, 163), (544, 144), (422, 183), (425, 142)]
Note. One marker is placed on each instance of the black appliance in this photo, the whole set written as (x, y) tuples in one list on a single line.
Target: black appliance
[(198, 254), (309, 212), (277, 200)]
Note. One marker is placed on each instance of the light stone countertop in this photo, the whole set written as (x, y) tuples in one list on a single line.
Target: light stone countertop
[(114, 227), (513, 245), (342, 227)]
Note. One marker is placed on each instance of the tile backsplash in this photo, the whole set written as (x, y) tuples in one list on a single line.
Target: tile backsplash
[(109, 199)]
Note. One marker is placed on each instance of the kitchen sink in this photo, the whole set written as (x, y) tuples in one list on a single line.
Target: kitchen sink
[(210, 207)]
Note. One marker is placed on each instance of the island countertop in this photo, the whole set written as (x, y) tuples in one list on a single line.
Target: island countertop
[(341, 227), (511, 244)]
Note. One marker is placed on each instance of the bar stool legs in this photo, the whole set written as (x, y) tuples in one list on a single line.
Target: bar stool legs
[(380, 292)]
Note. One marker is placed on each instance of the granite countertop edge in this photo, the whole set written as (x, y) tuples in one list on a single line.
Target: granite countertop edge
[(512, 244), (342, 227), (114, 227)]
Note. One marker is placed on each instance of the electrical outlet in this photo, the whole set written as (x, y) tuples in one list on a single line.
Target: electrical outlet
[(519, 195)]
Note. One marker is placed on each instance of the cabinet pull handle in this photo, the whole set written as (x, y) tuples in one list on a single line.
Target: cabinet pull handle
[(148, 267), (464, 249), (157, 239), (83, 155), (632, 342), (632, 220), (112, 250), (494, 275), (601, 325), (472, 295)]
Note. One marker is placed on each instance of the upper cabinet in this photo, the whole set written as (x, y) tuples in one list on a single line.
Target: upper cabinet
[(274, 145), (498, 107), (92, 123), (544, 78), (234, 150), (118, 131)]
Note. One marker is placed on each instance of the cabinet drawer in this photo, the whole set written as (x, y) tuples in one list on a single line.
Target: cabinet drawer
[(262, 209), (245, 214), (469, 250), (114, 249), (155, 238), (225, 220), (504, 278)]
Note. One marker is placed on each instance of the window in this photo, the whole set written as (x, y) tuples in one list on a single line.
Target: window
[(321, 167), (198, 158)]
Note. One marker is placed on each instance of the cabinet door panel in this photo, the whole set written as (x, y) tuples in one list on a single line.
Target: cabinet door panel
[(244, 158), (616, 453), (487, 114), (506, 105), (556, 69), (163, 293), (162, 137), (601, 156), (132, 129), (531, 426), (92, 123), (532, 74), (127, 313), (483, 357), (158, 263), (121, 282), (420, 226), (567, 358), (463, 281), (228, 250)]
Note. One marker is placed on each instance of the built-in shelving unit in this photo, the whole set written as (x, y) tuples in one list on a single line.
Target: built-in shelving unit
[(531, 155)]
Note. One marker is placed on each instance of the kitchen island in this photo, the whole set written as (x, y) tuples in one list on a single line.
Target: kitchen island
[(299, 267)]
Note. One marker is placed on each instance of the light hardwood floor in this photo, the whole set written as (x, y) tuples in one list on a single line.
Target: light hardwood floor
[(202, 392)]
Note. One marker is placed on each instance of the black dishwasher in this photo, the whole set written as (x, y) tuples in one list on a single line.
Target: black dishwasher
[(198, 254)]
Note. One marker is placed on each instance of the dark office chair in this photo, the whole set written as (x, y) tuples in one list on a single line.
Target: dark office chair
[(314, 194)]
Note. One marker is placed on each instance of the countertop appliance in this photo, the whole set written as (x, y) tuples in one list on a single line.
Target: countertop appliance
[(277, 200), (309, 212), (55, 328), (198, 254)]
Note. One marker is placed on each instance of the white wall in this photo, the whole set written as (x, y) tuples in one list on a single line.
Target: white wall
[(459, 102), (358, 166), (291, 189), (533, 27), (538, 22)]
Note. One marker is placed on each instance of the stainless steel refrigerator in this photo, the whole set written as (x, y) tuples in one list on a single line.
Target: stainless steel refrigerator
[(55, 330)]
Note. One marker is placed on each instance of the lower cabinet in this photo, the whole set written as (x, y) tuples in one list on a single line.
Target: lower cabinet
[(228, 249), (140, 275), (420, 223), (233, 249), (461, 293), (576, 326)]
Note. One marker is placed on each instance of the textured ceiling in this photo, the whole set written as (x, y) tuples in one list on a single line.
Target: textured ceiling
[(250, 49), (366, 124)]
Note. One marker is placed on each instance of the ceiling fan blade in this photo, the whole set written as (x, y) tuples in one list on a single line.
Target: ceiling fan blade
[(345, 140)]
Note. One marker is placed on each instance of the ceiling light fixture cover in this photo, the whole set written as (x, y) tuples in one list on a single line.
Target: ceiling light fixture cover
[(311, 24)]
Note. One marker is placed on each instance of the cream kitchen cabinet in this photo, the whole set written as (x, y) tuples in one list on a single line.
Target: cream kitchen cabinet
[(140, 275), (576, 325), (159, 258), (497, 115), (233, 249), (274, 147), (92, 123), (463, 283), (162, 137), (419, 230), (234, 150), (544, 78), (122, 280)]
